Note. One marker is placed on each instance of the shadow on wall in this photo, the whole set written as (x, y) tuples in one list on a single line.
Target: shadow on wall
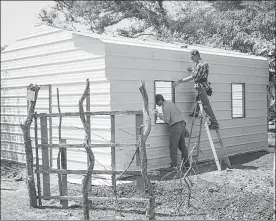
[(89, 45)]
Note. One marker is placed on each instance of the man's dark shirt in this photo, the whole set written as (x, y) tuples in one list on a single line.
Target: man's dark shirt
[(200, 73), (171, 112)]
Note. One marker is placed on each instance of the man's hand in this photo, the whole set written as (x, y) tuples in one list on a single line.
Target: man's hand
[(272, 70), (190, 69), (175, 83), (155, 111)]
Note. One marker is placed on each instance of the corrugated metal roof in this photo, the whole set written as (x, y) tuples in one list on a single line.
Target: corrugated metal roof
[(105, 38), (163, 45)]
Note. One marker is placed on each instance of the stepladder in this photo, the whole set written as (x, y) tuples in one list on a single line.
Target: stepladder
[(218, 149)]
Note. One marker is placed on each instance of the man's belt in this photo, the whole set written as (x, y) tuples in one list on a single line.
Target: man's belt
[(182, 121)]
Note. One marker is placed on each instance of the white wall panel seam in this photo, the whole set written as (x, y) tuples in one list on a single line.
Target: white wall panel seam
[(54, 48), (49, 62), (49, 65), (36, 45), (39, 55), (40, 35)]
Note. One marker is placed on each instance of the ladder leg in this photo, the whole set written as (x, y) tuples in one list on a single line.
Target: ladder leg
[(199, 136), (225, 157), (212, 147), (191, 130)]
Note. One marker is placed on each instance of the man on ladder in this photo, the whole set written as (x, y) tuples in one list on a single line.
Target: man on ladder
[(200, 76)]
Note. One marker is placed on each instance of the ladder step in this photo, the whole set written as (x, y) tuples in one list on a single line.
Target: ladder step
[(198, 117), (216, 141)]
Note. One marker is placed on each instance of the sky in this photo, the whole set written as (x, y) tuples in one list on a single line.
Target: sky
[(18, 18)]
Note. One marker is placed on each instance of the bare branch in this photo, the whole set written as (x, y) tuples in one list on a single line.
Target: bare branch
[(150, 214), (25, 127), (89, 151)]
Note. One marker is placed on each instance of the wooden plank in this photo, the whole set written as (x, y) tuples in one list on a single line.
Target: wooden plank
[(76, 114), (45, 154), (59, 151), (50, 125), (94, 198), (131, 172), (37, 162), (113, 160), (139, 181)]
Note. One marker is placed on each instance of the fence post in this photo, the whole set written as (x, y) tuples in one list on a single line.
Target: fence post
[(139, 181), (50, 125), (88, 120), (45, 154), (63, 159), (113, 159), (37, 161)]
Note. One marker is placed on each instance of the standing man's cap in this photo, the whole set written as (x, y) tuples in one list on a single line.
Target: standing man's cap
[(194, 52)]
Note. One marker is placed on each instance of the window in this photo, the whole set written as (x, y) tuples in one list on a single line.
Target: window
[(165, 88), (238, 100)]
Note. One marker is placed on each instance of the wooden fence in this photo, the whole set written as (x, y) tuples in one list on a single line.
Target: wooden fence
[(46, 169)]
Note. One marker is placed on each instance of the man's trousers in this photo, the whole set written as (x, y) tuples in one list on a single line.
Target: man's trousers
[(177, 134), (202, 96)]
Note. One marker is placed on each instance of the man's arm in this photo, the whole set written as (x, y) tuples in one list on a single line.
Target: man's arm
[(162, 117), (165, 117), (272, 70), (175, 83)]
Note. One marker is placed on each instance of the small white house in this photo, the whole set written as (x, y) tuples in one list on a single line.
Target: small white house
[(54, 58)]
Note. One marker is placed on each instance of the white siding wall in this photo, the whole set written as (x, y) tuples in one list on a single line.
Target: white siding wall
[(126, 65), (63, 60), (48, 56)]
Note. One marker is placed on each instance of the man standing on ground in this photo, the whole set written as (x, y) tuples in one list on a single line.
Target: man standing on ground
[(200, 76), (177, 129)]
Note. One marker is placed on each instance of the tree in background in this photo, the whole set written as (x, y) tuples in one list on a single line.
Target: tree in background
[(245, 26), (249, 29), (97, 16)]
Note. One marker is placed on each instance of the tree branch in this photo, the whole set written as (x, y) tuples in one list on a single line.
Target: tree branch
[(88, 149), (150, 214), (25, 127)]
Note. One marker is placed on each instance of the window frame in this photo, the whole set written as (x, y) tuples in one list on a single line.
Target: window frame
[(173, 98), (243, 101)]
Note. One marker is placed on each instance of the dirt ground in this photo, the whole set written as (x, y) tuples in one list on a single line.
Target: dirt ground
[(244, 192)]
